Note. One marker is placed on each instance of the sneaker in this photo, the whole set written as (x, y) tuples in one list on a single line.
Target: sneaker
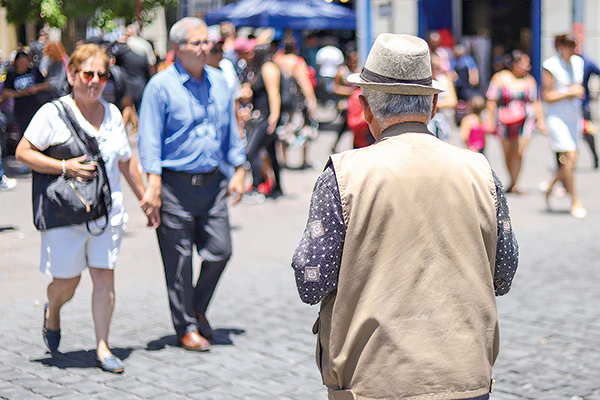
[(7, 183), (253, 197)]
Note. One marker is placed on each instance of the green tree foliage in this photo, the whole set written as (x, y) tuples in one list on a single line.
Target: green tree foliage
[(100, 13)]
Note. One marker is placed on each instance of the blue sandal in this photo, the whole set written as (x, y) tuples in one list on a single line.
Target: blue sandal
[(110, 364), (51, 338)]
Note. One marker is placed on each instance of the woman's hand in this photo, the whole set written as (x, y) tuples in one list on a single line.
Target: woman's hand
[(272, 124), (577, 91), (78, 169), (542, 126)]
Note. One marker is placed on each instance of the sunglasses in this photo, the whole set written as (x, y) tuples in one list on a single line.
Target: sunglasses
[(199, 43), (89, 75)]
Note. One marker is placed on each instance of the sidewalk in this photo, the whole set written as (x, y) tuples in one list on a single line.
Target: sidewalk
[(549, 322)]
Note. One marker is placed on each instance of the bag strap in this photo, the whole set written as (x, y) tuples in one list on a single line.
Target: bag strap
[(61, 113), (66, 113), (88, 143)]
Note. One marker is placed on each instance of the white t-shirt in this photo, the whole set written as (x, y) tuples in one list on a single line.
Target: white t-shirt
[(233, 82), (47, 129), (329, 58), (142, 47)]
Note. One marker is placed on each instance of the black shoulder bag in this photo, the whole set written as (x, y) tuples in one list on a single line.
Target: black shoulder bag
[(61, 201)]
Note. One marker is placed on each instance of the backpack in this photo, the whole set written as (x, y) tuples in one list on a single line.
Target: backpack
[(290, 93)]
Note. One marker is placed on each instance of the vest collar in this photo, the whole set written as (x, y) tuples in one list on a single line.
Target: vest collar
[(404, 127)]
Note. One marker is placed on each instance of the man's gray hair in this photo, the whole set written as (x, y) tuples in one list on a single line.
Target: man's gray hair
[(384, 105), (179, 31)]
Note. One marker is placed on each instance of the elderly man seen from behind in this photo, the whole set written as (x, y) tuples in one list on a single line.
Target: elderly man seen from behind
[(407, 243)]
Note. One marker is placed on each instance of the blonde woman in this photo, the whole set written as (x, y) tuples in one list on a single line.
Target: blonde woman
[(68, 250)]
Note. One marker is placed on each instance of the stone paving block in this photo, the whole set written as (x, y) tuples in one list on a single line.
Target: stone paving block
[(183, 387), (211, 382), (575, 391), (302, 394), (269, 386), (17, 393), (147, 391), (110, 394), (215, 395), (498, 395), (171, 396), (124, 384), (103, 377), (66, 379), (87, 387), (593, 396), (263, 396), (76, 396), (39, 386)]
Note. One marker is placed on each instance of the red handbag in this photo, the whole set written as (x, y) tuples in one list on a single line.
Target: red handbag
[(513, 113)]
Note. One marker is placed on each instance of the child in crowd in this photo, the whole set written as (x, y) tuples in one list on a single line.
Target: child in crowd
[(356, 122), (472, 131)]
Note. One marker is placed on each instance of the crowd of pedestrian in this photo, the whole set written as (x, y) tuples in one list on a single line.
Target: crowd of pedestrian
[(214, 120), (515, 106)]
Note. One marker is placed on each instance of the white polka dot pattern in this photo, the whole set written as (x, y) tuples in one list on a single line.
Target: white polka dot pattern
[(507, 248), (318, 256)]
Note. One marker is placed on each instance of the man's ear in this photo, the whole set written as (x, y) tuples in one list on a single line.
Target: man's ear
[(366, 109), (434, 108)]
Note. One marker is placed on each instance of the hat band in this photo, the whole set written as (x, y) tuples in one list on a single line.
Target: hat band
[(373, 77)]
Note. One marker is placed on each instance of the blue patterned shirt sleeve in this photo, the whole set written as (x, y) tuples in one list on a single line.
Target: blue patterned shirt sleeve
[(507, 248), (318, 256)]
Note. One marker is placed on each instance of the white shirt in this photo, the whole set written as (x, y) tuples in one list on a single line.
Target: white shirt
[(142, 47), (329, 58), (233, 82), (48, 129)]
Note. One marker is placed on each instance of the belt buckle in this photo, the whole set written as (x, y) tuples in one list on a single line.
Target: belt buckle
[(197, 180)]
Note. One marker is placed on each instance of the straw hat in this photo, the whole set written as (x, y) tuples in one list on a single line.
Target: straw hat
[(398, 64)]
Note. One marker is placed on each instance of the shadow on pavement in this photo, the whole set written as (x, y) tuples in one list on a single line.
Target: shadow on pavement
[(80, 358), (556, 212), (221, 337)]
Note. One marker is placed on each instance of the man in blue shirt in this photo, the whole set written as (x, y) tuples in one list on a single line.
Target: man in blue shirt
[(189, 145)]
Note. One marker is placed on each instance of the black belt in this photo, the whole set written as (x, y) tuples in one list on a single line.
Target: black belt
[(195, 179)]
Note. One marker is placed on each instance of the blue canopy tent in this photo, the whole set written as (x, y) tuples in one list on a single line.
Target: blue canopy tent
[(292, 14)]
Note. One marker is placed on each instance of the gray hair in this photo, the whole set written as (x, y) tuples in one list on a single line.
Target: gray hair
[(179, 31), (384, 105)]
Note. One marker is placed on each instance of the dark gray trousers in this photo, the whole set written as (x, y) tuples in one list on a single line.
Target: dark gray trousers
[(194, 213)]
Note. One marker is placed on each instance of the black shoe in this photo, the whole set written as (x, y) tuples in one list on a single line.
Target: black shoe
[(275, 194), (51, 338)]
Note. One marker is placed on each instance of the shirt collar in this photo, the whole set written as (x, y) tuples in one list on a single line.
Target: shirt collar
[(404, 127), (184, 75)]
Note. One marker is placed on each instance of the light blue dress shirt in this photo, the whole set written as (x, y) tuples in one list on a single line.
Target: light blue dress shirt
[(188, 126)]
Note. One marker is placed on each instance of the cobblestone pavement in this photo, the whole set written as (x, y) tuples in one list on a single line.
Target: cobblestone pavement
[(549, 322)]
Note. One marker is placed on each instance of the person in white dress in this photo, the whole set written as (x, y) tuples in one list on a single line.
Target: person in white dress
[(563, 92)]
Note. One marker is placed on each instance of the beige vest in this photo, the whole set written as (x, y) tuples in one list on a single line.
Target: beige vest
[(414, 316)]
